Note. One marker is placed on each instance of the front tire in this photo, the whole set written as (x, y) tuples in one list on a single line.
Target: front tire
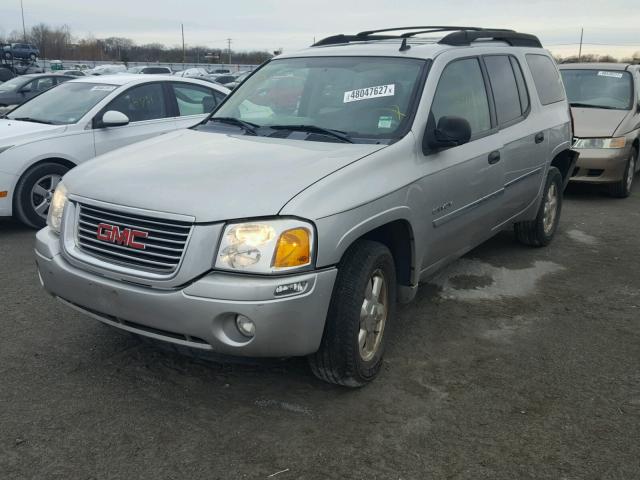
[(540, 231), (34, 192), (622, 189), (362, 306)]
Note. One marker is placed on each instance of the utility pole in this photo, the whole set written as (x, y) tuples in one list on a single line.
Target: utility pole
[(229, 50), (183, 54), (580, 50), (24, 30)]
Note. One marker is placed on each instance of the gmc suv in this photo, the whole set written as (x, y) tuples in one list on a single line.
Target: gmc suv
[(320, 193)]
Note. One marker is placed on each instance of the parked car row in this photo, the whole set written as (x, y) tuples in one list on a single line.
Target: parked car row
[(317, 195)]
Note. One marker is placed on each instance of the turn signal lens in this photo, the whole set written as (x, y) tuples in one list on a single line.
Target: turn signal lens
[(293, 249)]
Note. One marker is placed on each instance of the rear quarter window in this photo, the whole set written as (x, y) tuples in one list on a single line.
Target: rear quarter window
[(546, 79)]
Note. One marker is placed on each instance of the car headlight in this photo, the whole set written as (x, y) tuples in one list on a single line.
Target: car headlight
[(56, 209), (616, 142), (266, 246)]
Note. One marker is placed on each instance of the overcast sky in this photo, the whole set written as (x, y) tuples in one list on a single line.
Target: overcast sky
[(291, 24)]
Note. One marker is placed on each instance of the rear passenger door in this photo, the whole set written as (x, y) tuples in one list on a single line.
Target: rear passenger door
[(465, 189), (524, 150), (192, 103), (148, 113)]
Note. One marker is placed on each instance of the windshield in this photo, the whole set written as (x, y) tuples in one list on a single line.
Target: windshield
[(64, 104), (11, 85), (598, 88), (368, 98)]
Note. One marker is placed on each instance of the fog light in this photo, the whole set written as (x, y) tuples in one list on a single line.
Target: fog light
[(291, 289), (245, 326)]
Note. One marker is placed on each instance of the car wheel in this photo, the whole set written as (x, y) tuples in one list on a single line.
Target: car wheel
[(32, 57), (34, 192), (7, 55), (540, 231), (362, 306), (622, 189)]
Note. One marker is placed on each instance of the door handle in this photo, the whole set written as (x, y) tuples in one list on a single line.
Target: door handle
[(540, 137), (494, 157)]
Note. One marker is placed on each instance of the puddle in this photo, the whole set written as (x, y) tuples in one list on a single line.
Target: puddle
[(469, 279)]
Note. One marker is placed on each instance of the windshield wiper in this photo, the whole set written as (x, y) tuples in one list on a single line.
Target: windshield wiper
[(34, 120), (247, 126), (339, 134), (590, 105)]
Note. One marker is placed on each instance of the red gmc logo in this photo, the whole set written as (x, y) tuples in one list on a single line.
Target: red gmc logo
[(125, 236)]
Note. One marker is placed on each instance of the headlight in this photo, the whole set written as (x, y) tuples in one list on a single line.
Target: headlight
[(59, 200), (268, 246), (616, 142)]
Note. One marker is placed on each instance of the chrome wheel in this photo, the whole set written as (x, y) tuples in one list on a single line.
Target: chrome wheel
[(631, 172), (550, 209), (42, 192), (373, 316)]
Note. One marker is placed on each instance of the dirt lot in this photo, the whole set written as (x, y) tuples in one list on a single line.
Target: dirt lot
[(513, 364)]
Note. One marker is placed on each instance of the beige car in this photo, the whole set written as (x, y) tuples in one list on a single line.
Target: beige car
[(605, 103)]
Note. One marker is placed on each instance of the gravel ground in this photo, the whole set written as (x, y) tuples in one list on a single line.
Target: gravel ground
[(514, 363)]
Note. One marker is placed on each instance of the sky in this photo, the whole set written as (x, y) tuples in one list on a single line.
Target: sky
[(611, 26)]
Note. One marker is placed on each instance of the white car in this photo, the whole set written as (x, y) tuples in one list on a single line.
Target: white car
[(83, 118), (106, 70), (192, 72)]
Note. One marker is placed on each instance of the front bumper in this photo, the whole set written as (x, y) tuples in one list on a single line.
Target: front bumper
[(7, 183), (202, 314), (600, 165)]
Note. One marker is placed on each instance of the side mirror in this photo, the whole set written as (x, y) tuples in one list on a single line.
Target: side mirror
[(24, 90), (113, 118), (450, 132)]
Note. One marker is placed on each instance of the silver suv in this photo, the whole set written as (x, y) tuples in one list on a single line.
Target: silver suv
[(320, 193)]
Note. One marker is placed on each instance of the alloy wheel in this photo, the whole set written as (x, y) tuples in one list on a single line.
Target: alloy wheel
[(42, 192), (550, 209), (373, 316)]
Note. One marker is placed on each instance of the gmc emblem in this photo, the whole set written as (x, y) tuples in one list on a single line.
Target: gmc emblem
[(126, 236)]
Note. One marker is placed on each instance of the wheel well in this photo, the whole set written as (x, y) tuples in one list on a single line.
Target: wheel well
[(398, 237), (61, 161), (562, 162), (636, 143)]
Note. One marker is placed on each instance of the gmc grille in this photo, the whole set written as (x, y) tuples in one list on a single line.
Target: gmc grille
[(164, 245)]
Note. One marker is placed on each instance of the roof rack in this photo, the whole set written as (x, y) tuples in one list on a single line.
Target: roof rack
[(459, 36)]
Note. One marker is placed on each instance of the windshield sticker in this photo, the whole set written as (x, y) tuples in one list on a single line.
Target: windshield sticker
[(369, 92), (385, 122), (103, 88), (610, 74)]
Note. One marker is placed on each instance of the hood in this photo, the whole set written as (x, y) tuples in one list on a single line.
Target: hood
[(596, 122), (211, 176), (13, 132)]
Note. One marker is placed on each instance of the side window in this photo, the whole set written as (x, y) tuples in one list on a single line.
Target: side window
[(461, 92), (546, 78), (505, 89), (522, 84), (144, 102), (43, 84), (193, 99), (219, 96)]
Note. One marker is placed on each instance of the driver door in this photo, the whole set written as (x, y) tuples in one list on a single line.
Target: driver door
[(145, 106)]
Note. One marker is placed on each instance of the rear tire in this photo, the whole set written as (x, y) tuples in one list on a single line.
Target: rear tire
[(34, 191), (362, 306), (622, 189), (540, 231)]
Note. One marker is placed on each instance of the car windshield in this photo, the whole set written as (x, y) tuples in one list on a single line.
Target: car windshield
[(62, 105), (368, 98), (609, 89), (11, 85)]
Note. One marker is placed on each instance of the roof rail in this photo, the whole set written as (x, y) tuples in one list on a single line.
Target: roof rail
[(459, 36)]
